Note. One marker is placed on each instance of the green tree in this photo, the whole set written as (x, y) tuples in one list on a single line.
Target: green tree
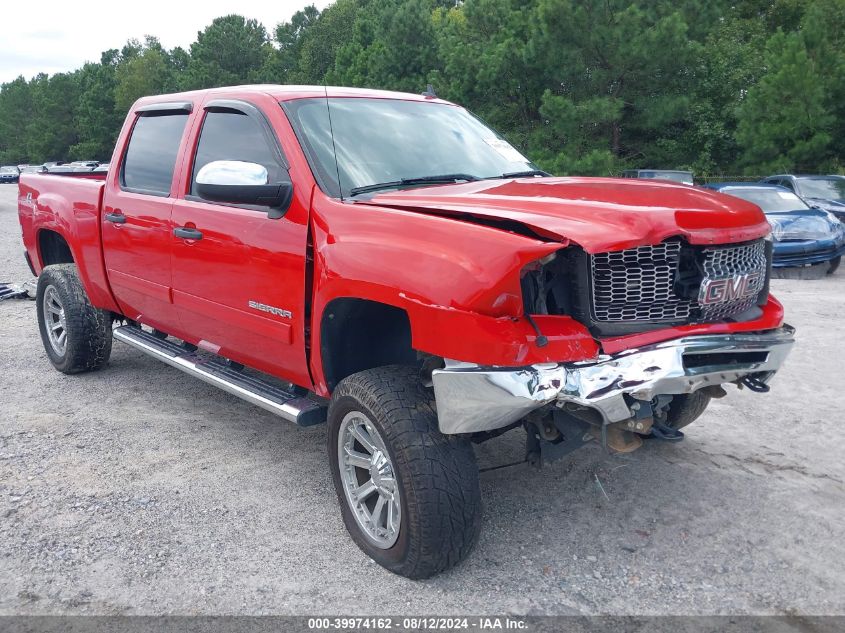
[(231, 50), (148, 70), (489, 64), (586, 86), (629, 62), (15, 107), (320, 43), (783, 122), (283, 65), (823, 31), (96, 118), (50, 129)]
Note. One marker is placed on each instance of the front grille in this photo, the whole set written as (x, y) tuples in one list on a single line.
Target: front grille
[(728, 262), (660, 284), (637, 285)]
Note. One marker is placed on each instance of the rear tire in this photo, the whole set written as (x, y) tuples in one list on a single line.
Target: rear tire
[(77, 336), (431, 477)]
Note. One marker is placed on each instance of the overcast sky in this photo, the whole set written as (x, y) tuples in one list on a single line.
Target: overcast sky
[(59, 35)]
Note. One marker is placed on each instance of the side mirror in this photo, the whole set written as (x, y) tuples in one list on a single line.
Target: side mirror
[(239, 182)]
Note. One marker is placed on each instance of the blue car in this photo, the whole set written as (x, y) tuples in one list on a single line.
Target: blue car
[(802, 235)]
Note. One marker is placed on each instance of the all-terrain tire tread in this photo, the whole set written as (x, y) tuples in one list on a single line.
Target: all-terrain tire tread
[(441, 471), (89, 328)]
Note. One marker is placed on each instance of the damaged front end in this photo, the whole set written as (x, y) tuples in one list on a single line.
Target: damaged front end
[(609, 398)]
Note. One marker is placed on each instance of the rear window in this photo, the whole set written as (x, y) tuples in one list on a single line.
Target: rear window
[(151, 156)]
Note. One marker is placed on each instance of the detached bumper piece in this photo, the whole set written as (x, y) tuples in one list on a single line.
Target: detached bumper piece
[(472, 399), (12, 291)]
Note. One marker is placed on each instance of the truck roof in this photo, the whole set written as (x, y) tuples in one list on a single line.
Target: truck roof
[(289, 92)]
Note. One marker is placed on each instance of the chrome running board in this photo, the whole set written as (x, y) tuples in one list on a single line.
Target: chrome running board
[(302, 410)]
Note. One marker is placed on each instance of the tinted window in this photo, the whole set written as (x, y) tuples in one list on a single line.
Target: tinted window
[(231, 135), (151, 155)]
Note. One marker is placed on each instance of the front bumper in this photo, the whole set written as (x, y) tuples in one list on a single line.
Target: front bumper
[(471, 398), (787, 254)]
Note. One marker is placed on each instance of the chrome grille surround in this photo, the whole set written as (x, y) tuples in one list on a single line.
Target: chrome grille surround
[(729, 261), (638, 284)]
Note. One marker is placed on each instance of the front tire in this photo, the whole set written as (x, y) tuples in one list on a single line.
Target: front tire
[(77, 336), (686, 409), (409, 495), (833, 264)]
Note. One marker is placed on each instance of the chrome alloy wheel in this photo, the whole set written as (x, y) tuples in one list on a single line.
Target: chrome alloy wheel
[(54, 321), (369, 480)]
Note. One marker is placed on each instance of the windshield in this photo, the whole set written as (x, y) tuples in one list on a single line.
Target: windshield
[(8, 170), (770, 200), (388, 140), (826, 188)]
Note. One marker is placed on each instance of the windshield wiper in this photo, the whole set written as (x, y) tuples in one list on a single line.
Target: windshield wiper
[(413, 181), (525, 174)]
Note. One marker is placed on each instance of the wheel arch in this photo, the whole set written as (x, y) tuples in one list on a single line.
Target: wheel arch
[(53, 248), (358, 334)]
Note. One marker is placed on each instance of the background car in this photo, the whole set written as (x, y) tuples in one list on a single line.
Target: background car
[(802, 235), (684, 177), (64, 168), (9, 173), (34, 169), (824, 192)]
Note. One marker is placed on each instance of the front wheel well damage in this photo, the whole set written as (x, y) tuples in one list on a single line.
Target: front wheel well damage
[(53, 248), (358, 334)]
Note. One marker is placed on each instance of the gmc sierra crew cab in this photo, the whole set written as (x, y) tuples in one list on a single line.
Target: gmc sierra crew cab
[(388, 264)]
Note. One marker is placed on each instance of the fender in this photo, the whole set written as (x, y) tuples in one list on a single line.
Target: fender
[(74, 214), (451, 277)]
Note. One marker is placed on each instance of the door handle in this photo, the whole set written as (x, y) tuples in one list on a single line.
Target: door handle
[(117, 218), (187, 234)]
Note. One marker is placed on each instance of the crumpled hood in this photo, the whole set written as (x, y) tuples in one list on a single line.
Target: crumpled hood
[(599, 214), (805, 224), (829, 202), (837, 207)]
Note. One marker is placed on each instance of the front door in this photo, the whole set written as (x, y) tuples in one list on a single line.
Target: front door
[(136, 228), (239, 275)]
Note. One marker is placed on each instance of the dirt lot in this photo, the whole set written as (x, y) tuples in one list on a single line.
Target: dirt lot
[(137, 490)]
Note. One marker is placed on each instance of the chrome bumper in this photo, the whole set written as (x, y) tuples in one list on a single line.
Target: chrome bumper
[(471, 398)]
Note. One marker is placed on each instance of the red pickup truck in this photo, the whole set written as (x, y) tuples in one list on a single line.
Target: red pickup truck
[(389, 264)]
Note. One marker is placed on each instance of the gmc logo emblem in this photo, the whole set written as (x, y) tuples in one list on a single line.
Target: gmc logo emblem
[(715, 291)]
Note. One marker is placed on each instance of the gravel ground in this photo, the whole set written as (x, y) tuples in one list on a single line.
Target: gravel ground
[(137, 490)]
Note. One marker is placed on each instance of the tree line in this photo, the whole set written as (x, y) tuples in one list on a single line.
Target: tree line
[(580, 86)]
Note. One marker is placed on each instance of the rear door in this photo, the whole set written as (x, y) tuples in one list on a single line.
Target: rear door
[(240, 288), (136, 225)]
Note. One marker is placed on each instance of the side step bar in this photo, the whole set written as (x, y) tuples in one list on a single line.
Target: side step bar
[(299, 409)]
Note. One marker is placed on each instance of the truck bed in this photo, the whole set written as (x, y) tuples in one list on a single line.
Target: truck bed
[(69, 206)]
